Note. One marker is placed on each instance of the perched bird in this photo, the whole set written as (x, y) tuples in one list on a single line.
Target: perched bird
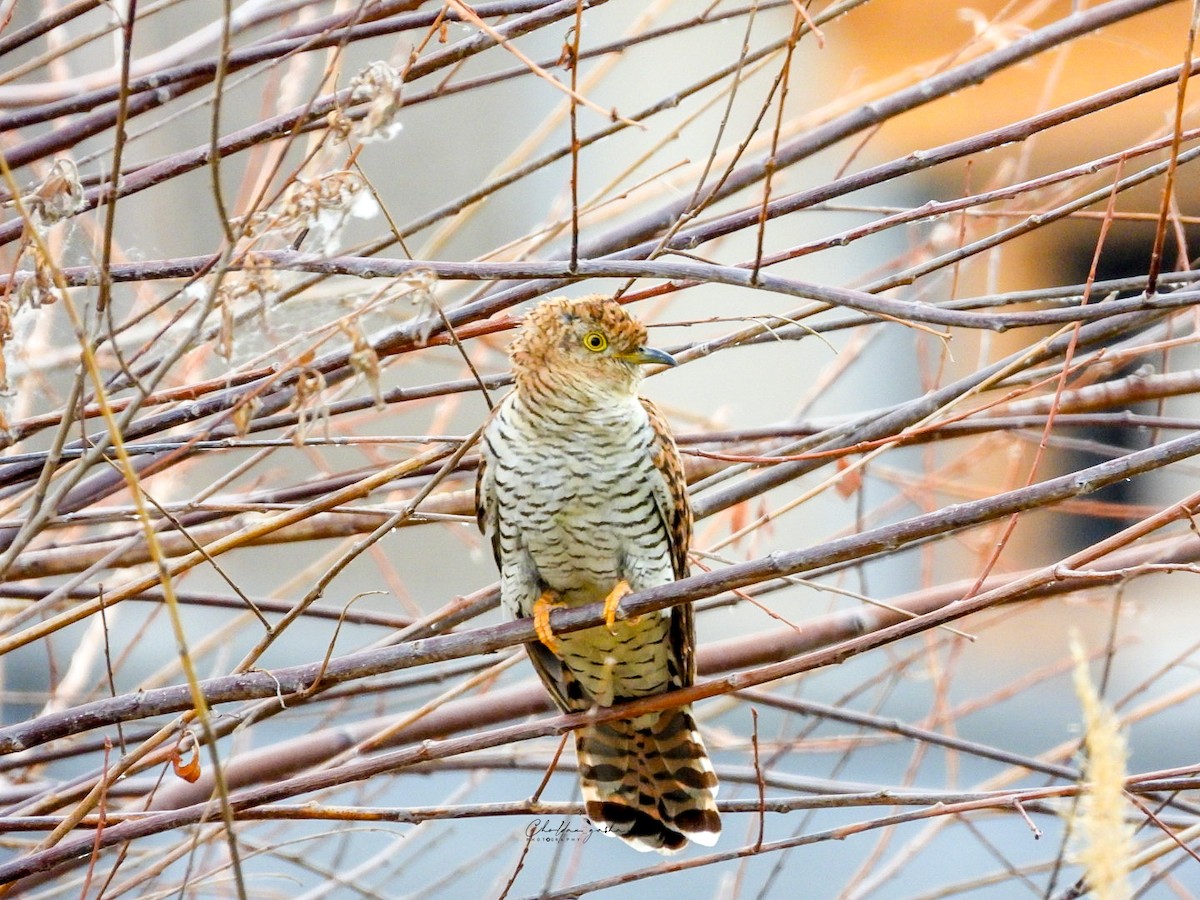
[(582, 493)]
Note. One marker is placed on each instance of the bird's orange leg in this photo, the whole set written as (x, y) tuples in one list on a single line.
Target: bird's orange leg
[(612, 601), (541, 619)]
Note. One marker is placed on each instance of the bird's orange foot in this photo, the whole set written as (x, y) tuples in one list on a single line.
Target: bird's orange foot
[(542, 608), (612, 601)]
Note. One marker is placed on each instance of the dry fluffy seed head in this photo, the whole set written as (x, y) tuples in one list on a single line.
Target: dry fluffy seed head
[(591, 343), (323, 205), (380, 85), (1105, 842), (59, 195)]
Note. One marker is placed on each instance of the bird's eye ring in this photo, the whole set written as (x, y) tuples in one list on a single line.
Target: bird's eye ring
[(595, 341)]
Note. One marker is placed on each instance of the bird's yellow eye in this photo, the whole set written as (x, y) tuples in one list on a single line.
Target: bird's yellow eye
[(595, 341)]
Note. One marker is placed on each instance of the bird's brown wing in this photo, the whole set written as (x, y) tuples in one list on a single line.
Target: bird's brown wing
[(672, 500), (485, 492)]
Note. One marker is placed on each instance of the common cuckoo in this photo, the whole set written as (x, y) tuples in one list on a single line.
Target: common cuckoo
[(581, 491)]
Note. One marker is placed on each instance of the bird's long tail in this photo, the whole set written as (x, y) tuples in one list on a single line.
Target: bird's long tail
[(649, 781)]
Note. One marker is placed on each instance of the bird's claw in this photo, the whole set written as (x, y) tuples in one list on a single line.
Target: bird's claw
[(542, 608), (612, 601)]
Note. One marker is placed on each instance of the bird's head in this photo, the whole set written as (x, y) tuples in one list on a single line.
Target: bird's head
[(591, 346)]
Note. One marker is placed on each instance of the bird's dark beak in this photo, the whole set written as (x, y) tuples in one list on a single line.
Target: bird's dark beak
[(644, 356)]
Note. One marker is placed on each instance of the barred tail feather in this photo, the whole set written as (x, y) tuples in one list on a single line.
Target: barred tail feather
[(649, 780)]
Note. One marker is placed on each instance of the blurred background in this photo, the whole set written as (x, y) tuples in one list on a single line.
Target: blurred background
[(261, 262)]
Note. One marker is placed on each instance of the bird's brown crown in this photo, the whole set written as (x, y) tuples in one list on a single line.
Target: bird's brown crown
[(592, 342)]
